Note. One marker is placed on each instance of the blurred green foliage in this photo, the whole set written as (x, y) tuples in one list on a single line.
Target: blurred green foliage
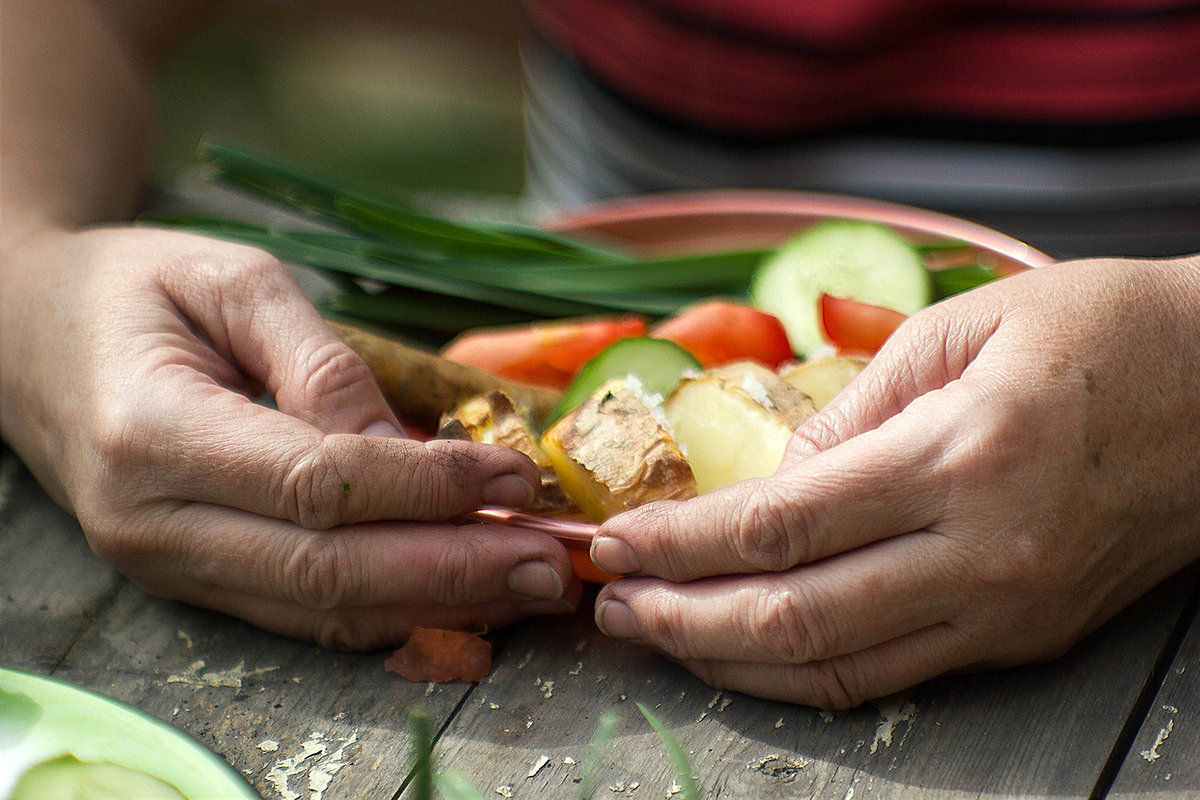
[(412, 104)]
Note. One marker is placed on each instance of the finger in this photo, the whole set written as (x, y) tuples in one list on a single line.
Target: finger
[(834, 607), (879, 484), (371, 564), (368, 628), (262, 321), (846, 681), (926, 353), (237, 453)]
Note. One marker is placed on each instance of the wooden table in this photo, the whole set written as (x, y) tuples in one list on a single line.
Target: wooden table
[(1118, 717)]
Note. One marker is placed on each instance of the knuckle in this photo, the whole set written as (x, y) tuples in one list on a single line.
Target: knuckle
[(829, 687), (328, 373), (119, 443), (664, 625), (113, 540), (819, 432), (657, 526), (458, 572), (314, 494), (767, 536), (788, 627), (318, 572), (343, 631), (238, 271)]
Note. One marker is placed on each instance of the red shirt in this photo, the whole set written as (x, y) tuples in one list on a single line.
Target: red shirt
[(779, 67)]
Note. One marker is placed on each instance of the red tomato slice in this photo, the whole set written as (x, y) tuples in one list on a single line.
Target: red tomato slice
[(854, 327), (543, 353), (719, 332)]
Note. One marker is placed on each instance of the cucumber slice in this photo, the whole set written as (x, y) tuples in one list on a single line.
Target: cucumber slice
[(68, 778), (864, 261), (657, 363)]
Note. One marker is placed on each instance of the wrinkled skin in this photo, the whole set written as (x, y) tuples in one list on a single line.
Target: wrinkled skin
[(1016, 465), (132, 358)]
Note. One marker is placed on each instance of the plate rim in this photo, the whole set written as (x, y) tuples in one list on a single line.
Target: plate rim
[(213, 768)]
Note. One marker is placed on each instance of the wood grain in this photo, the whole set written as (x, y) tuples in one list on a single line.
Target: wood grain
[(1164, 760), (1033, 732)]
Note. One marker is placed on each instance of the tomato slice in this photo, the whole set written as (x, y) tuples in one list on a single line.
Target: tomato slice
[(854, 327), (719, 332), (544, 353)]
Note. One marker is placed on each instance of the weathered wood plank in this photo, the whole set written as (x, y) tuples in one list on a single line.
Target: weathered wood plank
[(50, 584), (1164, 762), (287, 714), (1037, 731)]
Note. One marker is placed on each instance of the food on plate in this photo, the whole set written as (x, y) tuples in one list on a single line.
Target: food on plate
[(433, 654), (614, 452), (855, 327), (734, 422), (68, 777), (822, 378), (420, 386), (844, 258), (722, 331), (656, 364), (548, 353), (492, 418)]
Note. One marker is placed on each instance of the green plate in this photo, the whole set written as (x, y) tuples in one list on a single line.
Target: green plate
[(43, 719)]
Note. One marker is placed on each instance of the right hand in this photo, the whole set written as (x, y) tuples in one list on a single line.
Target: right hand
[(130, 365)]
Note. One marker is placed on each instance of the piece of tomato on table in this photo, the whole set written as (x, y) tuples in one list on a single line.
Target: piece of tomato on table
[(857, 328), (720, 332), (546, 353)]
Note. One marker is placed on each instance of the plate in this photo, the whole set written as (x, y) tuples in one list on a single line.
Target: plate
[(680, 222), (689, 222), (43, 718)]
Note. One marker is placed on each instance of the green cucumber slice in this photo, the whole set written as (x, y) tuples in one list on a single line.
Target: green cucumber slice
[(657, 363), (68, 778), (864, 261)]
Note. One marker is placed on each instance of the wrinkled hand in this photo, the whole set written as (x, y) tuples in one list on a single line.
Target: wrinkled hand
[(1015, 466), (132, 360)]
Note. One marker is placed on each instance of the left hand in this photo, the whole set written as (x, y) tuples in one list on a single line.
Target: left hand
[(1015, 466)]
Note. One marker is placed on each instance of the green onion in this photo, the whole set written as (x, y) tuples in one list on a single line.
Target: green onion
[(422, 750), (606, 728), (684, 779)]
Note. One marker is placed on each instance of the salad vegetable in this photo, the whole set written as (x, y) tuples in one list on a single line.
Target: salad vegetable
[(864, 261)]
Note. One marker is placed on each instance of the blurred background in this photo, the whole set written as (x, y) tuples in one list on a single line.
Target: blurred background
[(422, 96)]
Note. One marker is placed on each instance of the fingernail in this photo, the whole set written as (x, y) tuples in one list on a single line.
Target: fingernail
[(614, 555), (509, 491), (536, 580), (384, 429), (615, 620)]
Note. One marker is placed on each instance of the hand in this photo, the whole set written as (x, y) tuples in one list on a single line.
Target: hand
[(1015, 466), (131, 361)]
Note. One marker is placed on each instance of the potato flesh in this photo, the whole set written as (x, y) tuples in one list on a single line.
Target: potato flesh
[(734, 422), (823, 378), (611, 454), (726, 435)]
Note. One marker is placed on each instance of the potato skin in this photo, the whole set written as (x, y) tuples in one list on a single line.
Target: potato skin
[(493, 418), (421, 386), (777, 396), (611, 454)]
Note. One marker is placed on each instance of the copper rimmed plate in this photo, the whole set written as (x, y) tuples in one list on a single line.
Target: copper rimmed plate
[(682, 222)]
